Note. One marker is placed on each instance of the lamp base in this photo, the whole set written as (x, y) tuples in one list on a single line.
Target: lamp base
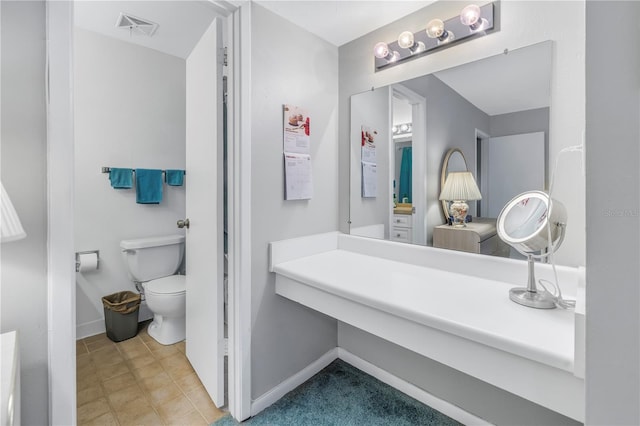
[(538, 299)]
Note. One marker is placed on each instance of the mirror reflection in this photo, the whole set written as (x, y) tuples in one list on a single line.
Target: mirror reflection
[(489, 117)]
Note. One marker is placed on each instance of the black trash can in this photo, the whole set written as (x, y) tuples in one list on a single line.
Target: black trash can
[(121, 315)]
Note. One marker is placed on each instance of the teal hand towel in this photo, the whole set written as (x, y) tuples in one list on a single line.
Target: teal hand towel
[(174, 177), (148, 186), (120, 178), (405, 190)]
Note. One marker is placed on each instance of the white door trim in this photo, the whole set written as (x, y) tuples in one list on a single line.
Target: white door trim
[(60, 222), (61, 298), (419, 159), (239, 215)]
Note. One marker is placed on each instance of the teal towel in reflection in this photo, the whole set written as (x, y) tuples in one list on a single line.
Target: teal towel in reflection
[(174, 177), (148, 186), (121, 178), (404, 190)]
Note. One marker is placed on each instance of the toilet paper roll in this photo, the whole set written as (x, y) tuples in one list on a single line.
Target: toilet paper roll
[(88, 262)]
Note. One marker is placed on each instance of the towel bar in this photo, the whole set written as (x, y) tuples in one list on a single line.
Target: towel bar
[(108, 169)]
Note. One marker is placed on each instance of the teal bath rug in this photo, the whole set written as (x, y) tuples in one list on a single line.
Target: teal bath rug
[(342, 395)]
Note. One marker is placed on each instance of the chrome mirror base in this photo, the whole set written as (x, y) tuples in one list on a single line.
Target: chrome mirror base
[(533, 299)]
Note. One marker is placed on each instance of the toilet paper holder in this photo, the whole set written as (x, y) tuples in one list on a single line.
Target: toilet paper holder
[(78, 253)]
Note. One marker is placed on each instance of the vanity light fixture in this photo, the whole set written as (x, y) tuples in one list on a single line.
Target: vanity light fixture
[(381, 51), (473, 21), (471, 16), (435, 29), (401, 130), (406, 40)]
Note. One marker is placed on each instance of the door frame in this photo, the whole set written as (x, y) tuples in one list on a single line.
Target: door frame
[(418, 157), (61, 289)]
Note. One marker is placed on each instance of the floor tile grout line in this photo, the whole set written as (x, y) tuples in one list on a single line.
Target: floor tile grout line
[(195, 408)]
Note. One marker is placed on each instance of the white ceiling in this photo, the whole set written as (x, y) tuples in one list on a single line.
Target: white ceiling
[(517, 81), (182, 22)]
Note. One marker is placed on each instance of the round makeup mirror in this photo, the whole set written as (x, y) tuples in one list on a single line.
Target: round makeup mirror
[(533, 223), (454, 161)]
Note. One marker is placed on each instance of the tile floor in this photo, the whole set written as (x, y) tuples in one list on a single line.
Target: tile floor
[(139, 382)]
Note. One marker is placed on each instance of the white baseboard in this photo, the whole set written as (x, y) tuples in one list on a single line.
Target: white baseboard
[(293, 382), (403, 386), (90, 329), (413, 391)]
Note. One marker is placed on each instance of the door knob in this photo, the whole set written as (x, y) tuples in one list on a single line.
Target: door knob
[(183, 223)]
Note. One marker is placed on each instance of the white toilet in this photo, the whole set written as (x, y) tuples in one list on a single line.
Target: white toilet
[(152, 262)]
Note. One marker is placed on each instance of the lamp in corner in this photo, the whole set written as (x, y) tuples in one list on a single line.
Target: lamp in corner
[(460, 187), (10, 227)]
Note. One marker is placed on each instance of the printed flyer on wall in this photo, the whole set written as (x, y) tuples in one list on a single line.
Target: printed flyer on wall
[(369, 144), (296, 145), (369, 177), (297, 174), (297, 132)]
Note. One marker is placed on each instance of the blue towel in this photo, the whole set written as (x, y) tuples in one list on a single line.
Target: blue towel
[(120, 178), (174, 177), (148, 186), (405, 175)]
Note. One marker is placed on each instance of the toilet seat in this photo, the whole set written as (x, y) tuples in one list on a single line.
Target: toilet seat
[(174, 284)]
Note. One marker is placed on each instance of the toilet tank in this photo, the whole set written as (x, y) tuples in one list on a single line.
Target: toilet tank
[(151, 258)]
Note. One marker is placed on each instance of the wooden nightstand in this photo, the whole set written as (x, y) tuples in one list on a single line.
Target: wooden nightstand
[(478, 236)]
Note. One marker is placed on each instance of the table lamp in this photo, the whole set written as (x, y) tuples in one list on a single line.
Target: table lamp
[(458, 188)]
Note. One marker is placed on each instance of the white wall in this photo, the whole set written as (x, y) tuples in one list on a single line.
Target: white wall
[(522, 23), (288, 66), (23, 290), (613, 212), (129, 112)]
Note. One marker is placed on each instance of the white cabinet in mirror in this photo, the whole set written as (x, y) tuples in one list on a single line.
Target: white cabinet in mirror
[(495, 111)]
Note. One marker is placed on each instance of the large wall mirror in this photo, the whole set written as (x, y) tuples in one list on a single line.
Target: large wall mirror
[(489, 117)]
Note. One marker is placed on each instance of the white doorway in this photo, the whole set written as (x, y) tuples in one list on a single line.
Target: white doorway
[(62, 293)]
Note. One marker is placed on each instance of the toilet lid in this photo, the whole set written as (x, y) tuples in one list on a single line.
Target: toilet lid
[(167, 285)]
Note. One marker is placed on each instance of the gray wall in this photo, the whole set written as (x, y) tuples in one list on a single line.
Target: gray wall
[(472, 395), (129, 112), (24, 167), (288, 66), (613, 209), (515, 123)]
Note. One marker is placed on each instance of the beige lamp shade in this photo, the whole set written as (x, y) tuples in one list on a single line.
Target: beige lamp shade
[(460, 186), (10, 226)]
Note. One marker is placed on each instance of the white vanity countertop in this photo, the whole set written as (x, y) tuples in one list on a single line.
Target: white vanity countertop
[(471, 307)]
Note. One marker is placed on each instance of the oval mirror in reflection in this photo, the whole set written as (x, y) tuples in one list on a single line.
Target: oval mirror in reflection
[(524, 221), (454, 161)]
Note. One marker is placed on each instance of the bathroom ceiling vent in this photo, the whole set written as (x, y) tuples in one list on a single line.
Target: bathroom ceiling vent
[(133, 23)]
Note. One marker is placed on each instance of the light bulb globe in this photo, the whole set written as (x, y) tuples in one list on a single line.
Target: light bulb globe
[(435, 28), (406, 40), (470, 15), (381, 50)]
